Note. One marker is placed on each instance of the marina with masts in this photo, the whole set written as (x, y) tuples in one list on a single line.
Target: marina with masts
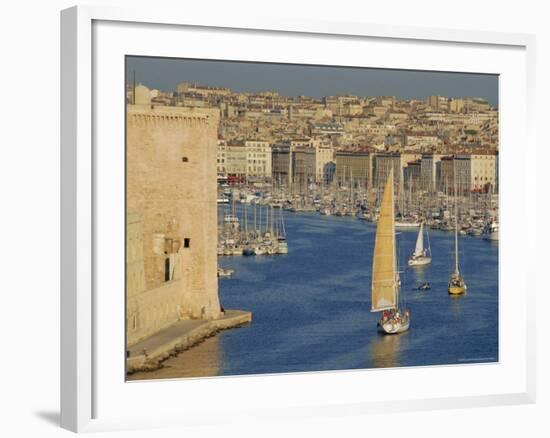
[(259, 229), (259, 226)]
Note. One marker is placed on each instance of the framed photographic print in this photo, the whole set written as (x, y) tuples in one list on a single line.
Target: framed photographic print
[(256, 209)]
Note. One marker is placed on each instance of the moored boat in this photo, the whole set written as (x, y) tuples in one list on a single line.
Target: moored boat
[(490, 232), (225, 272), (282, 246), (406, 224)]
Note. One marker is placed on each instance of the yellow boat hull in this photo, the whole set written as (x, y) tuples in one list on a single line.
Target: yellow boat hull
[(456, 290)]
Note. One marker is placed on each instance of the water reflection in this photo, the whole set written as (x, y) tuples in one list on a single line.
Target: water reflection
[(384, 350), (419, 272), (456, 305)]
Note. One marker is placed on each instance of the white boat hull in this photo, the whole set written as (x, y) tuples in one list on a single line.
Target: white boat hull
[(493, 236), (282, 249), (394, 327), (420, 261), (407, 225)]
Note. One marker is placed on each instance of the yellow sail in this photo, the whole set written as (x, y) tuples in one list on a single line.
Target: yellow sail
[(384, 281)]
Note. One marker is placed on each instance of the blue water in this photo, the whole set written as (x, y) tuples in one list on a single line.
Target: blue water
[(311, 308)]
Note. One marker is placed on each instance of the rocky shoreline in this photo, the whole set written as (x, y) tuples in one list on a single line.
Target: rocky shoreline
[(149, 354)]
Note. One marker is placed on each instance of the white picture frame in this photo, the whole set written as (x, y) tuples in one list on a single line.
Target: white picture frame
[(84, 174)]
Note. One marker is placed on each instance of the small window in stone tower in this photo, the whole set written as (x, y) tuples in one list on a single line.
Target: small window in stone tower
[(167, 269), (186, 242)]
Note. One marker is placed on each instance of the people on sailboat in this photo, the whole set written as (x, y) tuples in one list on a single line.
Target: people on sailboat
[(394, 316), (456, 280), (424, 286)]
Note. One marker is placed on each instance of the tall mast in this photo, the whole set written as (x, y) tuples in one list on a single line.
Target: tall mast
[(255, 227), (246, 220), (395, 273), (260, 219), (271, 219), (456, 217), (385, 286), (350, 184)]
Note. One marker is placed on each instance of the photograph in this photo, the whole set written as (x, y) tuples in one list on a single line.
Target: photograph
[(290, 218)]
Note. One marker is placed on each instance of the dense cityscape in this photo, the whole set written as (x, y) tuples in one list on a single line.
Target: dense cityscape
[(266, 137)]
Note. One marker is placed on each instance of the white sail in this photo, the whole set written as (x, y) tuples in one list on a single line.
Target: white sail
[(419, 249)]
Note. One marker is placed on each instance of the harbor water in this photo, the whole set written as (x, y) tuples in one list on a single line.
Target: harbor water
[(311, 307)]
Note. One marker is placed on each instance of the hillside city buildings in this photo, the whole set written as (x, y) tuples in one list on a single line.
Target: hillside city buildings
[(267, 138)]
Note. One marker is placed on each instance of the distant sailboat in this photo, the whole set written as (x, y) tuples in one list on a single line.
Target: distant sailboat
[(421, 255), (457, 285), (385, 277)]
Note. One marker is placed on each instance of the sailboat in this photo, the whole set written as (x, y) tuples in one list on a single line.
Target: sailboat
[(490, 231), (385, 277), (282, 246), (457, 285), (421, 255)]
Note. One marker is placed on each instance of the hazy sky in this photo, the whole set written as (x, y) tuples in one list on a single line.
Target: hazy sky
[(314, 81)]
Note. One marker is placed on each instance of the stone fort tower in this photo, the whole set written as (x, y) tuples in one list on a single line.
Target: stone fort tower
[(171, 217)]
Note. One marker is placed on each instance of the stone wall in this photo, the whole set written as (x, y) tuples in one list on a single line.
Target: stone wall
[(171, 217)]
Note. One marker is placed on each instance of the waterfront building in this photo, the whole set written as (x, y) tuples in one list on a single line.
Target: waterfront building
[(258, 159), (484, 171), (281, 158), (356, 165), (302, 160), (383, 163), (429, 167), (463, 173), (412, 175), (171, 265), (303, 165), (236, 162), (324, 161), (446, 174), (474, 172)]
